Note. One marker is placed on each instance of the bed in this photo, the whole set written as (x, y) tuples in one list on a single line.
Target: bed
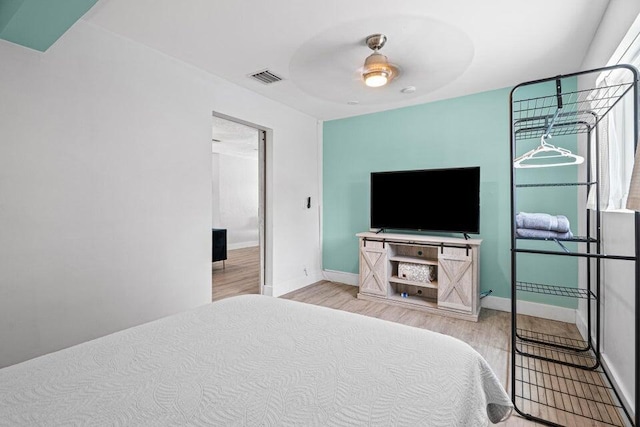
[(254, 360)]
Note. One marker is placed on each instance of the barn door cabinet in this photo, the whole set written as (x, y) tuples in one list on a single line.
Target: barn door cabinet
[(429, 273)]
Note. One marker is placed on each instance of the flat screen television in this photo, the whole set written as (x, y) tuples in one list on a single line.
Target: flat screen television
[(439, 200)]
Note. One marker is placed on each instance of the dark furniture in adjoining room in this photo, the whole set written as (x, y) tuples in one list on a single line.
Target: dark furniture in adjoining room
[(219, 236)]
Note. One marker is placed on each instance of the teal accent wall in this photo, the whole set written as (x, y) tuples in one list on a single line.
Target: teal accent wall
[(466, 131), (37, 24)]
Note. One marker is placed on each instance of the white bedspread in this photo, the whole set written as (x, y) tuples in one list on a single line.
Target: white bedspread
[(257, 361)]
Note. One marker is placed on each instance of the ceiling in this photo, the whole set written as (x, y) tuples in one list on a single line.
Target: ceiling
[(234, 139), (444, 49)]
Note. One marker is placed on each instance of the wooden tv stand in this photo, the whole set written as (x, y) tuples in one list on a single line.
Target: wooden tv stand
[(454, 292)]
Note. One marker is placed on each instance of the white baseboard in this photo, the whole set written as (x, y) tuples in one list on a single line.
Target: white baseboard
[(341, 277), (625, 395), (581, 324), (298, 282), (544, 311), (241, 245)]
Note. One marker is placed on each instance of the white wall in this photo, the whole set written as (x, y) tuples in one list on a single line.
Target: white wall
[(105, 189), (235, 187), (618, 276)]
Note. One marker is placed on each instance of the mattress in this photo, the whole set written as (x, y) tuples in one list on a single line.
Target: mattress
[(254, 360)]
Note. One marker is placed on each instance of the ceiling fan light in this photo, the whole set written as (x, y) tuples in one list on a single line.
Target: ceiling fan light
[(376, 79), (377, 71)]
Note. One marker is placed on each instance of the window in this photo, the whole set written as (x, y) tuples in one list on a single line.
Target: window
[(616, 130)]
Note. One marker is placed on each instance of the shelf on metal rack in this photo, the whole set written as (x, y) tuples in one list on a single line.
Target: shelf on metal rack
[(577, 239), (562, 291), (552, 340), (565, 395), (581, 110), (545, 351), (556, 184)]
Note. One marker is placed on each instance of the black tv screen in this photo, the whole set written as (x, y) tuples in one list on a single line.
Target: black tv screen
[(445, 200)]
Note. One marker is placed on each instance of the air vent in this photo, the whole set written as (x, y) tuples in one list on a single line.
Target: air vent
[(266, 77)]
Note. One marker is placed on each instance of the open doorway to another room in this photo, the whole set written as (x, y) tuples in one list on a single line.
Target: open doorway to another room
[(238, 208)]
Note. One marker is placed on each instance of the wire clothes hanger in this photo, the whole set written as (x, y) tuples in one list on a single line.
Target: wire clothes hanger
[(547, 151)]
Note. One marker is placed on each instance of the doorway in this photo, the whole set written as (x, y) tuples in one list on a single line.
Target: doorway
[(238, 215)]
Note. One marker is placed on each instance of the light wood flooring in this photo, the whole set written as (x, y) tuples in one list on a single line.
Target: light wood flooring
[(490, 336), (239, 275)]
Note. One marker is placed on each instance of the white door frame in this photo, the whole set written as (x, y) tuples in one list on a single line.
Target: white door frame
[(265, 225)]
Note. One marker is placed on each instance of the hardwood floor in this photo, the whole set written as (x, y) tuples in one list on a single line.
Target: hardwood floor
[(490, 336), (239, 275)]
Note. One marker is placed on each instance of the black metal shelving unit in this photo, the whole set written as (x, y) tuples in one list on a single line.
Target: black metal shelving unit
[(558, 380)]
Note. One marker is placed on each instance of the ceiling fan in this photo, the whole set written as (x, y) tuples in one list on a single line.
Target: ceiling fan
[(377, 70)]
